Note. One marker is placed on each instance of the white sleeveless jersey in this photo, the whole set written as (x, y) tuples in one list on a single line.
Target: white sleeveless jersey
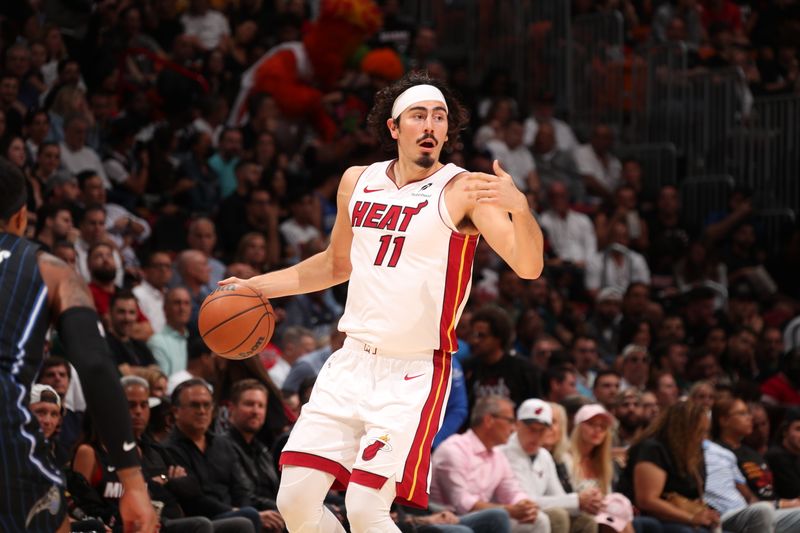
[(412, 270)]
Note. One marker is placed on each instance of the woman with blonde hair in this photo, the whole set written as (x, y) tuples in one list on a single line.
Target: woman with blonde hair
[(589, 459), (155, 378), (556, 441)]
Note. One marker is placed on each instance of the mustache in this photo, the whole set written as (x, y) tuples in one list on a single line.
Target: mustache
[(426, 137)]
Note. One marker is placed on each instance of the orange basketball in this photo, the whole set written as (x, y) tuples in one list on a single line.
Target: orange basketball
[(235, 322)]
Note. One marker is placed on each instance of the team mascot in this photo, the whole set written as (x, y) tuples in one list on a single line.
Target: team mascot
[(299, 74)]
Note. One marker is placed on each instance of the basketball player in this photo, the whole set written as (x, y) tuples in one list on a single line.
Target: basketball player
[(404, 236), (36, 287)]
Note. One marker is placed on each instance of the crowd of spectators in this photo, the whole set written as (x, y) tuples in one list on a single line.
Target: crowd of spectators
[(568, 391)]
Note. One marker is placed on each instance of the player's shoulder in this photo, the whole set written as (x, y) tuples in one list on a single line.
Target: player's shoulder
[(354, 172), (66, 288), (349, 180)]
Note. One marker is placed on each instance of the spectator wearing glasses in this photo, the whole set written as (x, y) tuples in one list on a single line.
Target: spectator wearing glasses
[(471, 474), (210, 459), (635, 366), (739, 481)]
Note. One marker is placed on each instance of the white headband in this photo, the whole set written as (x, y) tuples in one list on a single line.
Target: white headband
[(416, 94)]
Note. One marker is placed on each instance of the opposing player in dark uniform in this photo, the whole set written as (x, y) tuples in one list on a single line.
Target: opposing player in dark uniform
[(36, 289)]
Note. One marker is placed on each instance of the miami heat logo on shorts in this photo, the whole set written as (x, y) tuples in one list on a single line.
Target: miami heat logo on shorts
[(381, 443)]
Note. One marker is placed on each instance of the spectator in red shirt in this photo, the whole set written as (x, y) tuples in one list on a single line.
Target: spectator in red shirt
[(784, 387), (723, 11)]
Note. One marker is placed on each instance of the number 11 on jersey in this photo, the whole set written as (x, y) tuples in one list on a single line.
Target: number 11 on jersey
[(386, 240)]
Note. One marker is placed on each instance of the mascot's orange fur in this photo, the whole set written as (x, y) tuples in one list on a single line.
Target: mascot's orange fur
[(298, 74)]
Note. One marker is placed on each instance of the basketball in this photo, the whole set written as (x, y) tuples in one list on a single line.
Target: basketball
[(235, 322)]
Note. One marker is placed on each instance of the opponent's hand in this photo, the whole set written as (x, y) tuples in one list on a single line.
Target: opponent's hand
[(498, 190), (138, 515)]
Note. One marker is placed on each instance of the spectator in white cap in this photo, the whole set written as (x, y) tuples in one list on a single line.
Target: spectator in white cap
[(45, 404), (536, 472)]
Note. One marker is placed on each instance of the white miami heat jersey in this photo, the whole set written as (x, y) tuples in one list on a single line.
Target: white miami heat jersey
[(411, 269)]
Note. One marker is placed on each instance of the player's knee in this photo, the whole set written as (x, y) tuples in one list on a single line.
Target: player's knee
[(368, 508), (299, 500)]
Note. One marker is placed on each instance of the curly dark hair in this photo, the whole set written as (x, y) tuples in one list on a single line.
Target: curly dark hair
[(457, 115)]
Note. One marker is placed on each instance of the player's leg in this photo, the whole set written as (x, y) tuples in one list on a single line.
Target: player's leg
[(31, 493), (368, 508), (300, 501)]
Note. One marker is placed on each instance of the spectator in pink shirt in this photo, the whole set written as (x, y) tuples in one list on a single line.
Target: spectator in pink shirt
[(469, 474)]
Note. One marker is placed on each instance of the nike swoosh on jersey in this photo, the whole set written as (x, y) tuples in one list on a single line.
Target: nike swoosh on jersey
[(368, 190), (128, 446), (407, 377)]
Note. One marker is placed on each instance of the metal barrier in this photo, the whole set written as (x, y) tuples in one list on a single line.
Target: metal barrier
[(529, 39), (548, 52), (773, 227), (780, 115), (703, 195), (655, 84), (659, 165), (598, 71)]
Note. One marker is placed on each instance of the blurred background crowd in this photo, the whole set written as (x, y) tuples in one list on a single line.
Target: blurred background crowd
[(170, 144)]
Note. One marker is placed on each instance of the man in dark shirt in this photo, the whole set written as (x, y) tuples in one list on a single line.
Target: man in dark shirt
[(209, 458), (248, 412), (128, 352), (492, 370), (784, 460)]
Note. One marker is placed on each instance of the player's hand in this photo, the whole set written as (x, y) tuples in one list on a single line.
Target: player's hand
[(138, 515), (498, 190), (238, 281)]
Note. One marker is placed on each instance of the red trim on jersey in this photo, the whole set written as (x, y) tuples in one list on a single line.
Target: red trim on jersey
[(459, 271), (413, 488), (368, 479), (309, 460), (439, 203)]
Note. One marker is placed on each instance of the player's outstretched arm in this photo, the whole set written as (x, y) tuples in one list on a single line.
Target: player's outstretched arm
[(79, 329), (325, 269), (517, 239)]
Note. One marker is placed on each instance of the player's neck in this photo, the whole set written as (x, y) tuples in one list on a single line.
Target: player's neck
[(404, 171)]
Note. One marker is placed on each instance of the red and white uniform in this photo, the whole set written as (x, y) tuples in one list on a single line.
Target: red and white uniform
[(378, 403)]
